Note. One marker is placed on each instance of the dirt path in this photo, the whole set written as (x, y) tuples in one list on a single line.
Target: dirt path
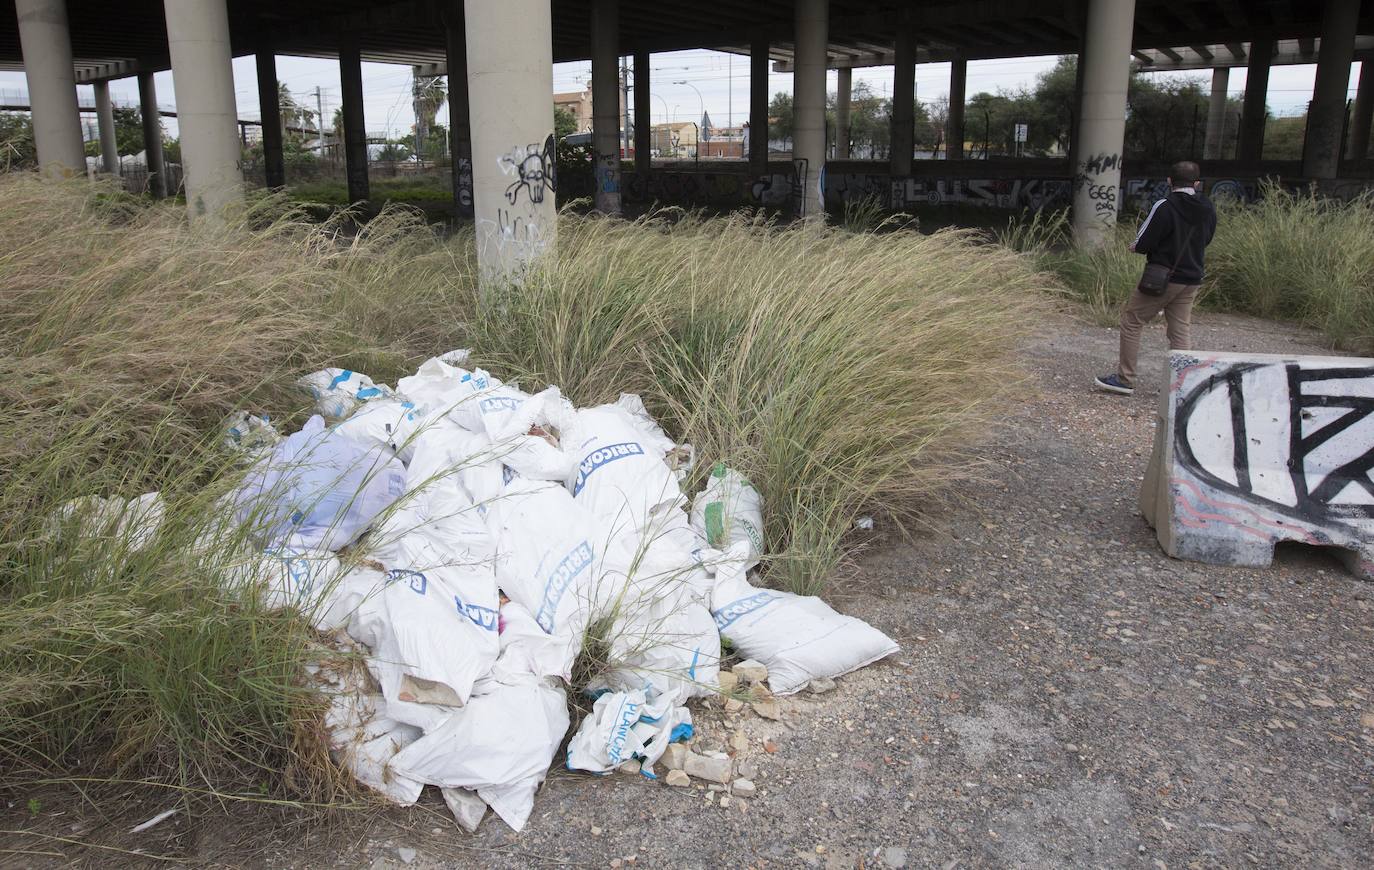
[(1067, 695)]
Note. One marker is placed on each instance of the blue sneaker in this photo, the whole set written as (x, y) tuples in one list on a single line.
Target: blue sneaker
[(1113, 384)]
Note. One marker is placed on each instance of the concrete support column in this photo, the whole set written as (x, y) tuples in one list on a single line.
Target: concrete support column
[(1252, 113), (1216, 114), (1326, 118), (606, 105), (808, 105), (354, 124), (203, 77), (269, 103), (902, 136), (644, 123), (1106, 73), (758, 106), (954, 118), (47, 50), (459, 117), (510, 80), (152, 136), (843, 92), (104, 113), (1363, 115)]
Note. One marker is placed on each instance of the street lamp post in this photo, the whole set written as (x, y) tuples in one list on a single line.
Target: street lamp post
[(701, 101)]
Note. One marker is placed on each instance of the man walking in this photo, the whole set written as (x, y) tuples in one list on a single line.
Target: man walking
[(1174, 235)]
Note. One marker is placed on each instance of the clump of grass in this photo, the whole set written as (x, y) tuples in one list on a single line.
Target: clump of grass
[(841, 372), (1300, 257), (1101, 278)]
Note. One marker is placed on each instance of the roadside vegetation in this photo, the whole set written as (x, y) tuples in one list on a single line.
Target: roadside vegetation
[(843, 373), (1288, 256)]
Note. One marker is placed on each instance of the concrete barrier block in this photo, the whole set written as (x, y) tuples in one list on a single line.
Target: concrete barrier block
[(1254, 449)]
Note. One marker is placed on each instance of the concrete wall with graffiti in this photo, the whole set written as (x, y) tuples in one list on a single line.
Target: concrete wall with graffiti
[(1021, 184), (1252, 450)]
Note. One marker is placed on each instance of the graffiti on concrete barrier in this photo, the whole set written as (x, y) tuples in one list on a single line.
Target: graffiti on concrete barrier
[(1034, 193), (1254, 450), (534, 168)]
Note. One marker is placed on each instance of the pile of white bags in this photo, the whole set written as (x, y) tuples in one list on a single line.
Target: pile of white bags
[(491, 530)]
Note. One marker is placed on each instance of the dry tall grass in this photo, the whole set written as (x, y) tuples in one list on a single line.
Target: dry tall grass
[(842, 372)]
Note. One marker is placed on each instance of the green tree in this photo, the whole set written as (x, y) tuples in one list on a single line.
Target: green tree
[(780, 126), (292, 114), (16, 141), (564, 123), (1283, 137)]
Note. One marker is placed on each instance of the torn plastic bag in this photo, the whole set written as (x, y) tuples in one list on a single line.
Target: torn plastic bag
[(624, 726), (340, 392), (318, 490), (390, 423), (366, 743), (728, 511), (525, 649), (428, 645), (546, 558), (252, 435), (439, 385), (799, 638), (437, 526), (129, 522), (500, 745), (619, 474)]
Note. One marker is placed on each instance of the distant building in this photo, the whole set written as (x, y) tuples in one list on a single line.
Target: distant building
[(579, 104), (726, 142), (678, 139)]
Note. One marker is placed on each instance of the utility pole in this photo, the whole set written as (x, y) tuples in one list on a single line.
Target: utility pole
[(319, 124), (625, 105)]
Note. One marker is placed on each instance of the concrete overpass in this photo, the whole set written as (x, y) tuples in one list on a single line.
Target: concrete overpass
[(500, 54)]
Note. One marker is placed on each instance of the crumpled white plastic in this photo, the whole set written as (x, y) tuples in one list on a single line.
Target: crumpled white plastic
[(626, 726), (340, 392)]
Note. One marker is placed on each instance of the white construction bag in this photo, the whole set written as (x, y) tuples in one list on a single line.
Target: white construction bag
[(318, 490), (798, 638), (729, 511), (619, 474), (252, 435), (340, 392), (132, 523), (625, 726), (365, 742), (546, 558), (499, 744), (390, 423)]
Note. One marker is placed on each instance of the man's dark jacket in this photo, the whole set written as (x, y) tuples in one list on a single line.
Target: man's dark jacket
[(1166, 228)]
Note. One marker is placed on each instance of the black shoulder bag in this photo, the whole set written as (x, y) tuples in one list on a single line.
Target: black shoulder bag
[(1156, 276)]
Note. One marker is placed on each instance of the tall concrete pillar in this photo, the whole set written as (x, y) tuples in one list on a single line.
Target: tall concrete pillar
[(1216, 114), (354, 123), (606, 105), (203, 78), (152, 136), (104, 114), (1106, 73), (459, 116), (758, 106), (844, 89), (954, 117), (644, 123), (808, 106), (1326, 118), (902, 137), (510, 80), (1363, 115), (47, 50), (1254, 108), (269, 104)]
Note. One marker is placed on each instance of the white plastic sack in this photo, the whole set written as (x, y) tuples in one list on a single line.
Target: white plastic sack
[(500, 745), (340, 392), (132, 522), (619, 473), (799, 638), (389, 423), (624, 726), (253, 435), (318, 490), (546, 559), (428, 645), (365, 742), (729, 511)]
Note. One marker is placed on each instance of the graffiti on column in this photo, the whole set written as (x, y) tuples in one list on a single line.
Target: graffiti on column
[(1103, 195), (534, 168), (465, 182), (799, 175), (606, 180)]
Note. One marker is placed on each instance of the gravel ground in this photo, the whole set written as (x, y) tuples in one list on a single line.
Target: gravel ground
[(1066, 696)]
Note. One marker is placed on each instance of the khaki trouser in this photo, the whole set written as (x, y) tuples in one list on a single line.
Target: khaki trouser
[(1177, 305)]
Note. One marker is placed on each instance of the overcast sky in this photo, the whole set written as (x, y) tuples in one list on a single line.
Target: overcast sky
[(721, 79)]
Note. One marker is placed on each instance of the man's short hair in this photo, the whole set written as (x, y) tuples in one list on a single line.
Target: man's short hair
[(1185, 173)]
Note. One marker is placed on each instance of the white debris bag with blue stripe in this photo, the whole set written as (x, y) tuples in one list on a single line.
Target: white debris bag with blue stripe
[(340, 392), (729, 511), (546, 559), (626, 726), (318, 490), (798, 637), (618, 471)]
